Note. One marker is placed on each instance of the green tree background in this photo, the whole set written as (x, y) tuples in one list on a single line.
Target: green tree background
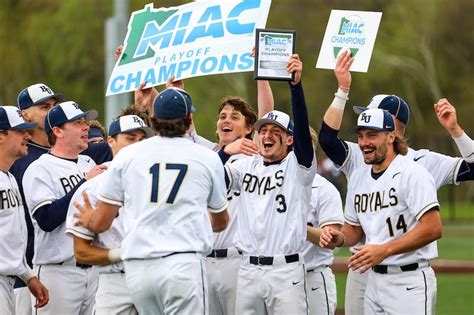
[(423, 52)]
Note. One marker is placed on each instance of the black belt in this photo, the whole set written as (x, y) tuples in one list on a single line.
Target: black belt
[(220, 253), (384, 269), (268, 261), (176, 253), (311, 270), (78, 265)]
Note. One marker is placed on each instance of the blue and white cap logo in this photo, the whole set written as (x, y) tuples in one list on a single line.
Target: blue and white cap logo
[(375, 119), (129, 123), (36, 94), (66, 112), (278, 118)]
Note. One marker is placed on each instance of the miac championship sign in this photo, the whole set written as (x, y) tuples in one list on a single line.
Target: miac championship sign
[(195, 39)]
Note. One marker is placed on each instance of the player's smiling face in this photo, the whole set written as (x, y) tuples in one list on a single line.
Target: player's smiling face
[(273, 142), (373, 145), (231, 125), (15, 143)]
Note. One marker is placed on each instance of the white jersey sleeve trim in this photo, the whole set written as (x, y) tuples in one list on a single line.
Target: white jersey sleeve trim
[(110, 200), (219, 209), (351, 222), (43, 203), (426, 209), (72, 232), (338, 222), (349, 153)]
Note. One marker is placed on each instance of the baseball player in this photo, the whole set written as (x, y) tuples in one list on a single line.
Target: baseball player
[(49, 183), (347, 155), (112, 296), (234, 128), (326, 213), (34, 102), (168, 196), (275, 191), (393, 202), (13, 240)]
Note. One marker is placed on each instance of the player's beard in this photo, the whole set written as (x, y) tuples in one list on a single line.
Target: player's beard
[(380, 153)]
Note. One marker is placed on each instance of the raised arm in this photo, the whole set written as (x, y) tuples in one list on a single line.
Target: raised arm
[(265, 100), (446, 114), (334, 147), (302, 144)]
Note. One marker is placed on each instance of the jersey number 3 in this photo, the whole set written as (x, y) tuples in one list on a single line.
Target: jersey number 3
[(155, 180)]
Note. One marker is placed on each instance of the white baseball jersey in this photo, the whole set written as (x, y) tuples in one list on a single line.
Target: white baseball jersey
[(45, 180), (166, 186), (13, 234), (273, 204), (443, 168), (387, 207), (112, 238), (326, 209)]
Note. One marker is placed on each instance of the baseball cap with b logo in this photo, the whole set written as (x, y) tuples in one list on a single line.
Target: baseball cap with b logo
[(66, 112), (36, 94), (11, 119), (173, 103), (395, 105), (129, 123), (278, 118), (375, 119)]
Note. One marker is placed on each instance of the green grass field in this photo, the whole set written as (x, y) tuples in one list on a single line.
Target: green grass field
[(455, 292)]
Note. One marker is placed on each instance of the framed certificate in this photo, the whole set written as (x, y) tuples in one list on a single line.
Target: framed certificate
[(273, 49)]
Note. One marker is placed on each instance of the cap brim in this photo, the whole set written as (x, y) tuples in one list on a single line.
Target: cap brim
[(25, 126), (57, 97), (264, 121), (88, 115), (359, 109), (355, 129)]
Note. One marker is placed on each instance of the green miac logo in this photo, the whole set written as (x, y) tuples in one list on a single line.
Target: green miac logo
[(349, 28), (137, 27)]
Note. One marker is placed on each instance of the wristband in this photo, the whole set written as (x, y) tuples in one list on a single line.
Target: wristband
[(465, 146), (114, 255), (27, 275), (340, 99)]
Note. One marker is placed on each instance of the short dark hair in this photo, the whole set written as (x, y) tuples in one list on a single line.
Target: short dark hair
[(171, 127), (242, 106), (51, 138), (133, 110), (400, 145)]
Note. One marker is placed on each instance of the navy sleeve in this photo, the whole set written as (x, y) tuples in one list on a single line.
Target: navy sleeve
[(466, 172), (52, 215), (100, 152), (224, 158), (303, 147), (335, 148)]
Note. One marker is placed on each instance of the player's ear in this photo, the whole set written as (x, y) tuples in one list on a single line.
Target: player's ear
[(289, 140), (58, 132), (26, 115)]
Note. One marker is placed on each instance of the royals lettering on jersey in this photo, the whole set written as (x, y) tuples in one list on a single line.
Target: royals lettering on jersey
[(70, 182), (263, 185), (13, 232), (9, 198), (391, 205), (375, 201)]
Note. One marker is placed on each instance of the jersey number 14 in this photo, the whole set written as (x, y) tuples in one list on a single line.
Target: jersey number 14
[(401, 225)]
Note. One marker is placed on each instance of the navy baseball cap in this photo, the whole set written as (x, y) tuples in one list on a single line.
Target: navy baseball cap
[(95, 133), (278, 118), (375, 119), (173, 103), (66, 112), (395, 105), (36, 94), (11, 119), (129, 123)]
